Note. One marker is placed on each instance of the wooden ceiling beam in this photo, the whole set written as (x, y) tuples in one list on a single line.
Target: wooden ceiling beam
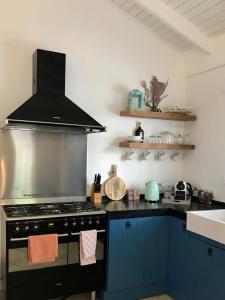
[(177, 23)]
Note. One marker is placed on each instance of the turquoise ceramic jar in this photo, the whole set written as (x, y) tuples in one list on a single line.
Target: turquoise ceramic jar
[(136, 100)]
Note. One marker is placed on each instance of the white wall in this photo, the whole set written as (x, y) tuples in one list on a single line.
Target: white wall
[(108, 53), (205, 167)]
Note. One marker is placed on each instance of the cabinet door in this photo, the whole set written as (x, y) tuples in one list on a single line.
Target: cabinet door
[(155, 231), (125, 259), (206, 272), (179, 258), (196, 269)]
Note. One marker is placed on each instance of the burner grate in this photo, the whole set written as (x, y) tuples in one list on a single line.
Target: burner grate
[(49, 209)]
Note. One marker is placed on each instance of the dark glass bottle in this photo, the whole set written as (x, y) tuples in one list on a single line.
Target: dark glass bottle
[(140, 132)]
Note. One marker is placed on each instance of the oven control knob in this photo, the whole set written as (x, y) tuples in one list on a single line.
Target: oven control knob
[(26, 228), (17, 228), (66, 224), (90, 222), (51, 225), (36, 227), (74, 223), (98, 221), (82, 222)]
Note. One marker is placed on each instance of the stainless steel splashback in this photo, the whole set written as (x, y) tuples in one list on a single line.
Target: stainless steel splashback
[(37, 164)]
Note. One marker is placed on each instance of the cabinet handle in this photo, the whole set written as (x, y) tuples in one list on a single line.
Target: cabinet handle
[(210, 251), (59, 284), (184, 226), (128, 225)]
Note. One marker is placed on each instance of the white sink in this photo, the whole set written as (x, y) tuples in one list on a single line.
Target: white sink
[(209, 223)]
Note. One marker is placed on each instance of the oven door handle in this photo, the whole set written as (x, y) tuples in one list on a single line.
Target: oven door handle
[(78, 233), (26, 238)]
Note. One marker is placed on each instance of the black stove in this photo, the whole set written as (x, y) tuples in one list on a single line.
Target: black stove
[(65, 276), (51, 209)]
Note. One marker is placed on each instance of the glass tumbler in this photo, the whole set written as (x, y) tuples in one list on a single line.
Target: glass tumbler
[(151, 139), (158, 139)]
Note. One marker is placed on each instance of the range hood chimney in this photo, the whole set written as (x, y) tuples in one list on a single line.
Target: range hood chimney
[(49, 108)]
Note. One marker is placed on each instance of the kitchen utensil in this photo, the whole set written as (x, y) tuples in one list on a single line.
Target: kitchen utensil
[(130, 154), (147, 155), (152, 191), (179, 139), (115, 187), (161, 155), (98, 181), (151, 139), (187, 139), (176, 155), (158, 139), (96, 195), (166, 138)]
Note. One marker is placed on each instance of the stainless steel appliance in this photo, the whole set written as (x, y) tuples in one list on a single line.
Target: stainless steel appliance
[(65, 276)]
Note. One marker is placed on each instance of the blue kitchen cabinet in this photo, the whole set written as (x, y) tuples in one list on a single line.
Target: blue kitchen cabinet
[(178, 258), (137, 258), (206, 272), (155, 249), (125, 258), (196, 269)]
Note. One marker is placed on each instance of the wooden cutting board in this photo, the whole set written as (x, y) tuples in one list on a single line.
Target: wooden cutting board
[(115, 187)]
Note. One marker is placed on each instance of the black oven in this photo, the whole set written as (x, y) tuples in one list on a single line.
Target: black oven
[(63, 277)]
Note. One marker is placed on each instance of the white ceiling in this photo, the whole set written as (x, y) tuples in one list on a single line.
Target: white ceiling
[(208, 16)]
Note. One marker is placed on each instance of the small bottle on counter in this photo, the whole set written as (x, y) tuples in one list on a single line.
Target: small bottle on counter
[(140, 132)]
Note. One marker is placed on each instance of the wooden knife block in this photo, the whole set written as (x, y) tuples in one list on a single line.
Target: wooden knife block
[(96, 197)]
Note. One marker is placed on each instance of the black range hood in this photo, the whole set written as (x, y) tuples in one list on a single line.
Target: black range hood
[(49, 108)]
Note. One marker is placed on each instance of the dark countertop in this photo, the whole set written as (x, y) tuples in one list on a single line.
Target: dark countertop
[(141, 208)]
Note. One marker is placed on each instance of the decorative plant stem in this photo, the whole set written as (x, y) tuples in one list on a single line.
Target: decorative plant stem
[(154, 94)]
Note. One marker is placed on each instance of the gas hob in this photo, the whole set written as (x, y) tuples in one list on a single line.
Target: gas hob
[(51, 210)]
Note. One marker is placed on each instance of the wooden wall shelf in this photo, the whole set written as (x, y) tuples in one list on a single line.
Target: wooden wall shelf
[(157, 115), (156, 146)]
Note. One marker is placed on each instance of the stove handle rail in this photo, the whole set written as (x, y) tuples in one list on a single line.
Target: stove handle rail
[(78, 233), (59, 235), (26, 238)]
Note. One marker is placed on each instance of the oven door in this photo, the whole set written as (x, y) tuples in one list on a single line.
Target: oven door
[(89, 277), (20, 272)]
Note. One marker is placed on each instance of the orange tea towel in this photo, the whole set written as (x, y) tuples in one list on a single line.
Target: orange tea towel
[(88, 241), (42, 248)]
